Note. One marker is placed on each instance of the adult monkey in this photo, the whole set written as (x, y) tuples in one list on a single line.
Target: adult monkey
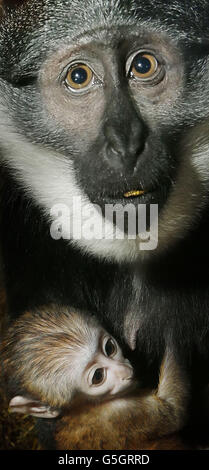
[(104, 100)]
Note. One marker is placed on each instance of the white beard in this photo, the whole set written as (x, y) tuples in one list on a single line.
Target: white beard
[(49, 178)]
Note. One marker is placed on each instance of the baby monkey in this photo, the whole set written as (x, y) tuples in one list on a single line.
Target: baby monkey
[(57, 359), (54, 354)]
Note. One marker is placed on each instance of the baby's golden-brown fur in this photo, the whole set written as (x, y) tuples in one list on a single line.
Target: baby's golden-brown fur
[(34, 351), (42, 349), (138, 421)]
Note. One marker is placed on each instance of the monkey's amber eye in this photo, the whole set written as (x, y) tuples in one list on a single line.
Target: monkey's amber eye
[(98, 377), (110, 347), (144, 66), (79, 76)]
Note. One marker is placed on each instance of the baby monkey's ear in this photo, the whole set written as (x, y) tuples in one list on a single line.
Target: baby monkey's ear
[(29, 406)]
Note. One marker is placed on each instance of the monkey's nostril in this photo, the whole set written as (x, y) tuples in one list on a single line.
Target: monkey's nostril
[(115, 150), (114, 157)]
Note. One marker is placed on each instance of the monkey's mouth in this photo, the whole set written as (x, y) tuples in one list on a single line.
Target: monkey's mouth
[(135, 193), (149, 194), (135, 196)]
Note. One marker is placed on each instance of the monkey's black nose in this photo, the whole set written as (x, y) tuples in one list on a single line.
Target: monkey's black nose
[(124, 146), (125, 136)]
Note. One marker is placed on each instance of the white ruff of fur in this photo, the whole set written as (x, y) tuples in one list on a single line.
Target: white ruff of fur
[(48, 177)]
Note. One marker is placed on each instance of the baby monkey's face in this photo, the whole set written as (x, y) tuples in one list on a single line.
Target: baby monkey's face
[(60, 352), (107, 372)]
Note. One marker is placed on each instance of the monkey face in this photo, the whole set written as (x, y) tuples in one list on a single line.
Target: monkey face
[(108, 97), (106, 114), (108, 373), (68, 354)]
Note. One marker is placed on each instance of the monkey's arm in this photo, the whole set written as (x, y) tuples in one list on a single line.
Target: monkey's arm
[(133, 421), (160, 412)]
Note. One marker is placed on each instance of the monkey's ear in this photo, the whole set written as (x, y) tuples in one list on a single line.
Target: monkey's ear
[(28, 406)]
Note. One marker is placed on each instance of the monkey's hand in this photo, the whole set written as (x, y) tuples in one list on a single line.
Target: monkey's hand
[(138, 420), (160, 412)]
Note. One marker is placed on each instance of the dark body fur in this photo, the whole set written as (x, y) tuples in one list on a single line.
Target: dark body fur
[(173, 290)]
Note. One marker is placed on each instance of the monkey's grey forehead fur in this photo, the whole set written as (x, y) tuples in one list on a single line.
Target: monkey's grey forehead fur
[(28, 33), (117, 12), (73, 16)]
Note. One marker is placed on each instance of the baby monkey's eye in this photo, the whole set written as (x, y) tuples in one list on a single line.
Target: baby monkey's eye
[(110, 347), (144, 66), (79, 76), (98, 377)]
